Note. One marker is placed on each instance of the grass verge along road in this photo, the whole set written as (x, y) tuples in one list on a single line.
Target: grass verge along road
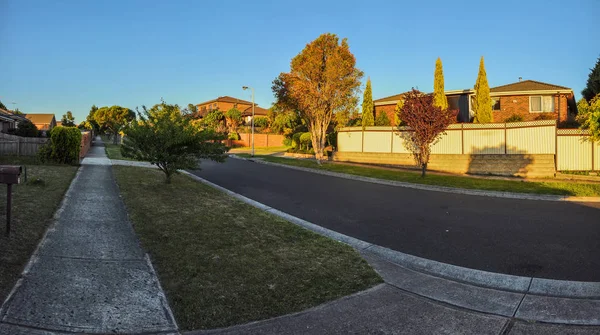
[(33, 207), (223, 262), (541, 187)]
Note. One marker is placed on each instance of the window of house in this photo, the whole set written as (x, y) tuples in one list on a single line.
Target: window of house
[(496, 104), (541, 104)]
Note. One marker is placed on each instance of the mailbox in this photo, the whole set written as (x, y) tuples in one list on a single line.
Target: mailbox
[(10, 174)]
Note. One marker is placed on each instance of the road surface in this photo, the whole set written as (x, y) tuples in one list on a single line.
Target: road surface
[(556, 240)]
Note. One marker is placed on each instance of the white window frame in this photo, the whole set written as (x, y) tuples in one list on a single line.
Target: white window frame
[(541, 104)]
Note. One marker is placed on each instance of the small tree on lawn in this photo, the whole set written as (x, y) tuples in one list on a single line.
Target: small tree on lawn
[(482, 105), (427, 123), (322, 81), (367, 106), (167, 139), (439, 97), (215, 120)]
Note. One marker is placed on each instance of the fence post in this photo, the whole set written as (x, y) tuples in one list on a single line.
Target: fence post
[(18, 146), (462, 138), (362, 141), (593, 159), (505, 139), (392, 142), (267, 140)]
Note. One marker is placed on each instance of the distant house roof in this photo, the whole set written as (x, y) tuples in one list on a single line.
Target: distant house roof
[(58, 123), (226, 99), (8, 114), (395, 97), (40, 118), (527, 85), (257, 111)]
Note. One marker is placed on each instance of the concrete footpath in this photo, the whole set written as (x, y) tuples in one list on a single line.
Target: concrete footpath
[(89, 273)]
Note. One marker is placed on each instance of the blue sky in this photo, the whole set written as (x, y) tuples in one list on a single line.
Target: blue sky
[(67, 55)]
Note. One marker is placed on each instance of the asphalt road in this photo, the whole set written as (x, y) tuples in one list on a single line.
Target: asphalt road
[(544, 239)]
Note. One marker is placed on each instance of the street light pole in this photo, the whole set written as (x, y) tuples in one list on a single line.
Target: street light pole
[(251, 88)]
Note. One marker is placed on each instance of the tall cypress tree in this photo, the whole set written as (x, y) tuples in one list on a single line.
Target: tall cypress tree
[(592, 88), (368, 119), (482, 106), (439, 98)]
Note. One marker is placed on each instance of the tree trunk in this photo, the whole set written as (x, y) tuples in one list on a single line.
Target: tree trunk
[(423, 169)]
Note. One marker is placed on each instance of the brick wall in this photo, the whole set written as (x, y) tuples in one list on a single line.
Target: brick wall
[(519, 104), (260, 140), (388, 109), (86, 142)]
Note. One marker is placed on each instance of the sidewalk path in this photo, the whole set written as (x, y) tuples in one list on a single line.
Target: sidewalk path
[(89, 274)]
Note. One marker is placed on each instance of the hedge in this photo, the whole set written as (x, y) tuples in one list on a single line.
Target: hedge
[(66, 143), (305, 141)]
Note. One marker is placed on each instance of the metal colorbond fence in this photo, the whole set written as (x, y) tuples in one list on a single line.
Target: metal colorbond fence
[(575, 152), (532, 137)]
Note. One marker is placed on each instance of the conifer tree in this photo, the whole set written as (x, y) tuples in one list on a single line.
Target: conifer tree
[(482, 105), (439, 97), (368, 119)]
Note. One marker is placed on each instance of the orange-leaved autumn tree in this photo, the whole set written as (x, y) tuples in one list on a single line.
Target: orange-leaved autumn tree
[(323, 80), (427, 123)]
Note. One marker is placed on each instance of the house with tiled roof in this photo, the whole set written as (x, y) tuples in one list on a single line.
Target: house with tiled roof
[(43, 122), (226, 103), (529, 99)]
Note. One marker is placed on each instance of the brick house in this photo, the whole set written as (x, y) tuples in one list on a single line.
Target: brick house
[(528, 98), (226, 103), (43, 122)]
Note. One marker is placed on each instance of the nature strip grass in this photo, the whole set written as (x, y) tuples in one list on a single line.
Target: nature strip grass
[(34, 204), (223, 262), (541, 187)]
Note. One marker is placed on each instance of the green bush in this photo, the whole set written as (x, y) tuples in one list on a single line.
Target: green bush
[(66, 143), (44, 153), (287, 141), (301, 151), (514, 118), (546, 116), (569, 124), (261, 122), (305, 141), (234, 136), (26, 129), (383, 119), (332, 139), (296, 140)]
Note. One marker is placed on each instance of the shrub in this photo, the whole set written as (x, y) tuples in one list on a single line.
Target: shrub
[(26, 129), (66, 143), (261, 122), (234, 136), (514, 118), (44, 153), (569, 124), (296, 140), (332, 139), (305, 141), (383, 119), (287, 141), (546, 116)]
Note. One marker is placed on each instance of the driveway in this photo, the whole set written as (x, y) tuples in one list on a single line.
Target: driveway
[(556, 240)]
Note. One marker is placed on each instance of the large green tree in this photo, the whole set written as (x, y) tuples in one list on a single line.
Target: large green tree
[(113, 119), (234, 119), (167, 139), (90, 122), (368, 118), (439, 97), (68, 120), (592, 88), (482, 104), (323, 80), (589, 116)]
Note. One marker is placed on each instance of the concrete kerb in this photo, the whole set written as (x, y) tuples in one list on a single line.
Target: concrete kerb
[(445, 189)]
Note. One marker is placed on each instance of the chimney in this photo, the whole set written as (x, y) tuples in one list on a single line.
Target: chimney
[(520, 78)]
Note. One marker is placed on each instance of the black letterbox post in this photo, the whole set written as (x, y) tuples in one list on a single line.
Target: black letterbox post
[(9, 175)]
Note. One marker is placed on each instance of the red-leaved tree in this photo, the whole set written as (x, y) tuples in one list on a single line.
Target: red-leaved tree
[(427, 124)]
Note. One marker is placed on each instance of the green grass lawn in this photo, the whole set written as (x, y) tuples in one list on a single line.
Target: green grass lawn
[(260, 150), (34, 204), (223, 262), (113, 151), (541, 187)]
